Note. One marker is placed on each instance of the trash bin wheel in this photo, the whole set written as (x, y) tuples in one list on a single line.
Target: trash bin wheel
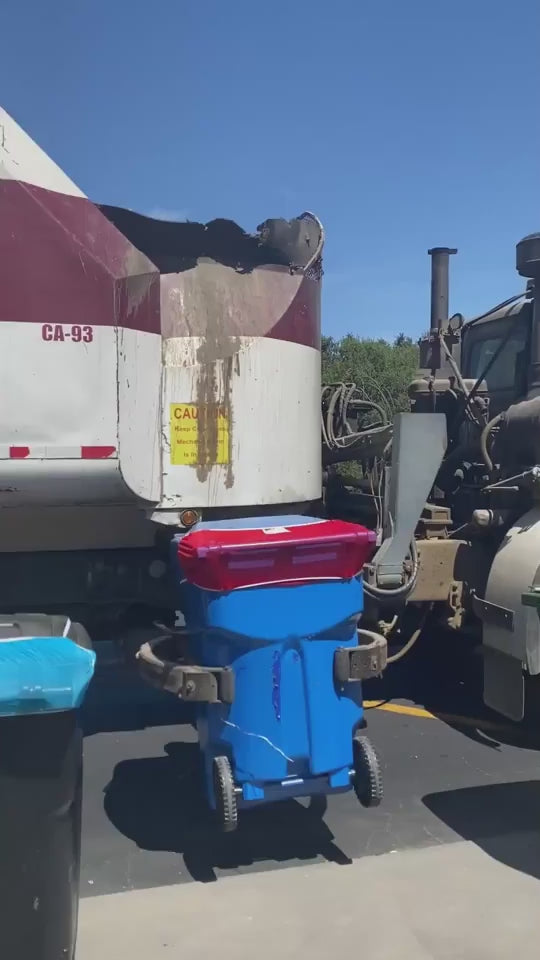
[(368, 782), (225, 794)]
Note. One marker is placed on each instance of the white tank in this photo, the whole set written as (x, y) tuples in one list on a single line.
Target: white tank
[(147, 367)]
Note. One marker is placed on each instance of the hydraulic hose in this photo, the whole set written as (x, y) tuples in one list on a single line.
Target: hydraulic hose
[(472, 394), (459, 378), (484, 440), (371, 635), (403, 651)]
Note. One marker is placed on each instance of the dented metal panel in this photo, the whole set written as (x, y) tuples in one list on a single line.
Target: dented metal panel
[(243, 347), (240, 320)]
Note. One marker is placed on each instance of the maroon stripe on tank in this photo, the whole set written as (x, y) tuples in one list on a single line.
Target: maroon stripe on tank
[(63, 262)]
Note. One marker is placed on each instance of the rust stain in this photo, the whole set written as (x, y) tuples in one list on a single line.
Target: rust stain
[(213, 394), (217, 363)]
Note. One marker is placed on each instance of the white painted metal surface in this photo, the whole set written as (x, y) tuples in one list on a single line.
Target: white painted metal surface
[(270, 391), (56, 396), (21, 159), (80, 412)]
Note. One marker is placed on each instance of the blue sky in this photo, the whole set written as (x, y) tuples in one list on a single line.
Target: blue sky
[(402, 123)]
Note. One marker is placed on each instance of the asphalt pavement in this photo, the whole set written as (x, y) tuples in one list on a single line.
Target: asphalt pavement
[(462, 798)]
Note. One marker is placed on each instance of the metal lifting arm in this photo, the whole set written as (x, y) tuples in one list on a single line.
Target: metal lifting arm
[(418, 448)]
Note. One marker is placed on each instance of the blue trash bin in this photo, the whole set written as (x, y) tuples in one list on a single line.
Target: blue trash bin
[(42, 683), (291, 599)]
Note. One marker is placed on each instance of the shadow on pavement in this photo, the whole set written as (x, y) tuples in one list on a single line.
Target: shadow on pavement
[(502, 818), (159, 803), (443, 674), (118, 699)]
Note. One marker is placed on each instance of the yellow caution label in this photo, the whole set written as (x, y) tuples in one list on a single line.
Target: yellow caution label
[(199, 434)]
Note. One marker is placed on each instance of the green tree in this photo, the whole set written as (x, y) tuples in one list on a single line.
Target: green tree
[(402, 340), (381, 370)]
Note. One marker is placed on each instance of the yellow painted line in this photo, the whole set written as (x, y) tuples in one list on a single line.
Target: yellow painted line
[(399, 708), (407, 711)]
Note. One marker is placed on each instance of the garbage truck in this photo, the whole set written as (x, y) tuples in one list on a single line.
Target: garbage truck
[(473, 563), (158, 375)]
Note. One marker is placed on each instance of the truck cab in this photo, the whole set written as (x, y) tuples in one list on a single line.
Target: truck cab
[(505, 334)]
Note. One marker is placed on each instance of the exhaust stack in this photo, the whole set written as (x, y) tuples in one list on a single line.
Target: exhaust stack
[(440, 269)]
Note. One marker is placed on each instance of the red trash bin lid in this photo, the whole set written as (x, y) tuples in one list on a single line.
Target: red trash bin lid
[(224, 557)]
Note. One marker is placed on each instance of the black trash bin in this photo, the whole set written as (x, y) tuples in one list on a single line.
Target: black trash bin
[(42, 682)]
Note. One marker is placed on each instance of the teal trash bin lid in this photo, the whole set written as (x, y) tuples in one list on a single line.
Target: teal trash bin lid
[(43, 674)]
